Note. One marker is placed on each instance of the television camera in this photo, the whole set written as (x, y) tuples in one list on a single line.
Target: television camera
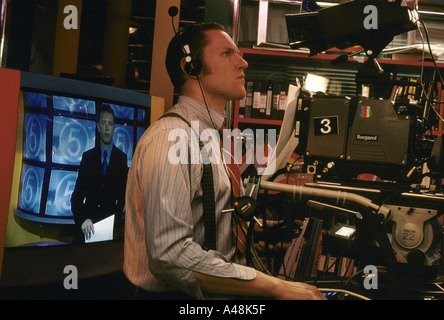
[(343, 139)]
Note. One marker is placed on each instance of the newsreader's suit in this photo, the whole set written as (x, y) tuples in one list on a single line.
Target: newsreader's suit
[(96, 196)]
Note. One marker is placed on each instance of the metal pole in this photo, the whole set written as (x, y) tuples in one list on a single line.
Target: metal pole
[(3, 14), (235, 9), (262, 22)]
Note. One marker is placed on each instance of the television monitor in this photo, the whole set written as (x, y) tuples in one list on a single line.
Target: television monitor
[(56, 125), (46, 124), (58, 129)]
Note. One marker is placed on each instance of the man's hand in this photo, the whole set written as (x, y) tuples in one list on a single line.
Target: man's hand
[(88, 228), (289, 290), (263, 285)]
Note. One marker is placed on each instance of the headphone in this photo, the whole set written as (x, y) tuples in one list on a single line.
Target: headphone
[(192, 66)]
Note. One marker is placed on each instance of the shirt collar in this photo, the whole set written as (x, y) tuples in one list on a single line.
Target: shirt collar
[(200, 111), (108, 150)]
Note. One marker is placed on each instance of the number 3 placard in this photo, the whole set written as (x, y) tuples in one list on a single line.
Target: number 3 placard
[(325, 125)]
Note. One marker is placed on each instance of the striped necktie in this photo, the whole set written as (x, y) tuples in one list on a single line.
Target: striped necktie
[(239, 226), (105, 162)]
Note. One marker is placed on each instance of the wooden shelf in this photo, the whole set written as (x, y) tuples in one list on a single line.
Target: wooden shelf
[(268, 122), (331, 56)]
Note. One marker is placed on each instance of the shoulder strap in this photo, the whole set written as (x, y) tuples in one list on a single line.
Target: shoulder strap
[(208, 194)]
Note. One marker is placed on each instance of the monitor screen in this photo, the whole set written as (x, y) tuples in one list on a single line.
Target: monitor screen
[(71, 138), (123, 112), (34, 146), (124, 140), (61, 186), (31, 183), (57, 130), (73, 105), (35, 99)]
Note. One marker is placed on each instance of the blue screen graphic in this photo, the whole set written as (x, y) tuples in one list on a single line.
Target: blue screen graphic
[(122, 112), (71, 138), (61, 186), (34, 143), (124, 140), (74, 105), (140, 132), (31, 188), (35, 99), (141, 115)]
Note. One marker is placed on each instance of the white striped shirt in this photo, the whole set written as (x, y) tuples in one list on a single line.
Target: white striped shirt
[(164, 227)]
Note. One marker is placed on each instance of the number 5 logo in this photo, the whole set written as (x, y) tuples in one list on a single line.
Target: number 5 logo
[(72, 141)]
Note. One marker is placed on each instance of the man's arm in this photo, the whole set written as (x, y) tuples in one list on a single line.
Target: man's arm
[(175, 258), (79, 193), (84, 226), (262, 286)]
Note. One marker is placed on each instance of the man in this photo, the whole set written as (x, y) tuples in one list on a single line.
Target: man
[(164, 229), (100, 187)]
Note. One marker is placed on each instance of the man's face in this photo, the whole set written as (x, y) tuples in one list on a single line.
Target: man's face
[(223, 76), (106, 128)]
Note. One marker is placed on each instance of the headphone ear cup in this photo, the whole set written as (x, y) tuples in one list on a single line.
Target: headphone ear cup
[(192, 67)]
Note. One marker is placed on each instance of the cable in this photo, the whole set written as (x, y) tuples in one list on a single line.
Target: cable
[(345, 291), (430, 49), (221, 149), (323, 273), (427, 98), (205, 102), (174, 27)]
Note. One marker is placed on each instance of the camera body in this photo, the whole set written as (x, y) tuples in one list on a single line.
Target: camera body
[(346, 137)]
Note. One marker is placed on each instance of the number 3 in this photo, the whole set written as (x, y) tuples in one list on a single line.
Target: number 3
[(326, 126)]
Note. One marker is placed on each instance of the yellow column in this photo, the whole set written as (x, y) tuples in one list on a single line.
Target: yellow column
[(160, 84), (115, 51), (66, 46)]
